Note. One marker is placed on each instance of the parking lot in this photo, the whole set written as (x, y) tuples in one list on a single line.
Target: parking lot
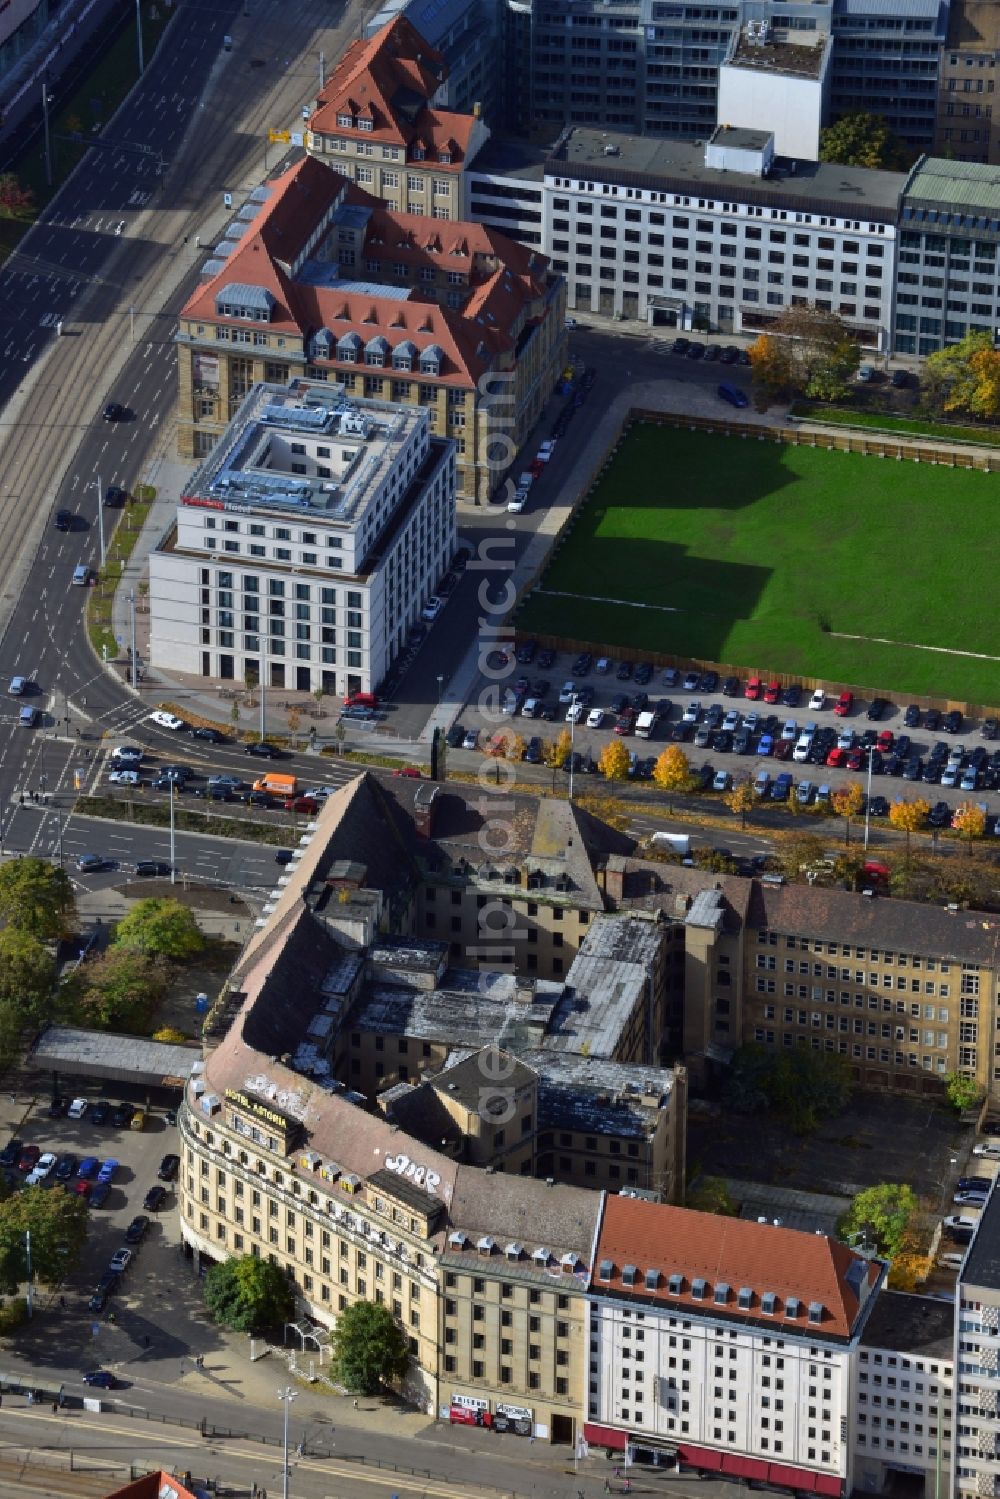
[(93, 1335), (817, 746)]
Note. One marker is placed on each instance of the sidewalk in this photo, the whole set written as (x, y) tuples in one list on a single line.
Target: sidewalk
[(169, 475)]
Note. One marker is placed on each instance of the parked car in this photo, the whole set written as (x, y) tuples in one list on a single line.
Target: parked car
[(844, 704), (166, 720), (154, 1199), (41, 1170), (963, 1224), (168, 1168), (136, 1230), (101, 1379)]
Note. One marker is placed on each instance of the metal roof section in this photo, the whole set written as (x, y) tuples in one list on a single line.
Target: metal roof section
[(132, 1059), (959, 194), (913, 10), (250, 467), (242, 293)]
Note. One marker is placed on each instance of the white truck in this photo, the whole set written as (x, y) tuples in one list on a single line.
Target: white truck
[(674, 843), (644, 725)]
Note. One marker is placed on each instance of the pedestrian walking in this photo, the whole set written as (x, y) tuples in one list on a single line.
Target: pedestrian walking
[(355, 1405), (299, 1449), (55, 1407)]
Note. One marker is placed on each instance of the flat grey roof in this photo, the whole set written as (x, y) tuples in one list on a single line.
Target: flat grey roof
[(121, 1059), (506, 156), (740, 138), (679, 166), (920, 1325), (982, 1263)]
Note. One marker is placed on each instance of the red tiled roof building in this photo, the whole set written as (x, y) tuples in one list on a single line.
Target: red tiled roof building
[(725, 1345), (328, 282)]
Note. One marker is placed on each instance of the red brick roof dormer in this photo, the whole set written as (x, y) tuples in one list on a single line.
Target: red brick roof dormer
[(674, 1257), (389, 81)]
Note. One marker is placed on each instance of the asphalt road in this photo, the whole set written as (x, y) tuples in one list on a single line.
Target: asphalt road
[(204, 112)]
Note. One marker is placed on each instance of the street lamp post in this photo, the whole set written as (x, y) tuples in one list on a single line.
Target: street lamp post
[(46, 100), (262, 734), (138, 24), (286, 1396), (868, 800), (572, 741), (30, 1300), (173, 841), (440, 688), (100, 518), (135, 668)]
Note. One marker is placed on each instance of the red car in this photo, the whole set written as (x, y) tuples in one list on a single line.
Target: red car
[(856, 759), (28, 1158), (753, 689), (301, 804), (885, 741), (625, 724), (82, 1189), (409, 770), (836, 757), (772, 692), (361, 700), (536, 468), (843, 705)]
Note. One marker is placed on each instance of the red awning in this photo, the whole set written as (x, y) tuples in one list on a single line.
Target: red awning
[(791, 1478), (605, 1436), (700, 1457), (745, 1467), (827, 1484)]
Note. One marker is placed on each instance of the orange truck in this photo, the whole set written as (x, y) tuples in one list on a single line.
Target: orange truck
[(276, 785)]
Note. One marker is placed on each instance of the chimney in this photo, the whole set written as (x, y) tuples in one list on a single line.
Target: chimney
[(614, 883), (424, 809)]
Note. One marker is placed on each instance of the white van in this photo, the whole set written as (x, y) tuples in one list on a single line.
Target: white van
[(644, 725), (81, 576), (18, 686)]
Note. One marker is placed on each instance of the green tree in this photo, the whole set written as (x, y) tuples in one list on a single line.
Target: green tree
[(27, 976), (11, 1027), (908, 817), (557, 752), (16, 202), (965, 376), (248, 1294), (57, 1221), (864, 140), (801, 1087), (369, 1348), (672, 771), (741, 800), (808, 351), (711, 1195), (36, 897), (963, 1093), (121, 987), (613, 762), (969, 820), (160, 928), (847, 803), (883, 1215), (801, 855)]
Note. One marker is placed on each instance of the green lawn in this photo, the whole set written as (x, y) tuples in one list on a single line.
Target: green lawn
[(764, 550), (882, 421)]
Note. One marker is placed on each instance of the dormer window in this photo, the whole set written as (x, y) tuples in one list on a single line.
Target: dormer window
[(815, 1311), (605, 1270), (652, 1280), (675, 1284), (344, 121), (767, 1303), (793, 1307), (403, 356), (698, 1289), (745, 1299), (444, 157), (721, 1293), (364, 124), (485, 1245), (629, 1274), (430, 361), (419, 153), (514, 1250)]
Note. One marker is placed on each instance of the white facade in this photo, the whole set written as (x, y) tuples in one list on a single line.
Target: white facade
[(672, 1379), (306, 546), (646, 229), (791, 105), (901, 1403)]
